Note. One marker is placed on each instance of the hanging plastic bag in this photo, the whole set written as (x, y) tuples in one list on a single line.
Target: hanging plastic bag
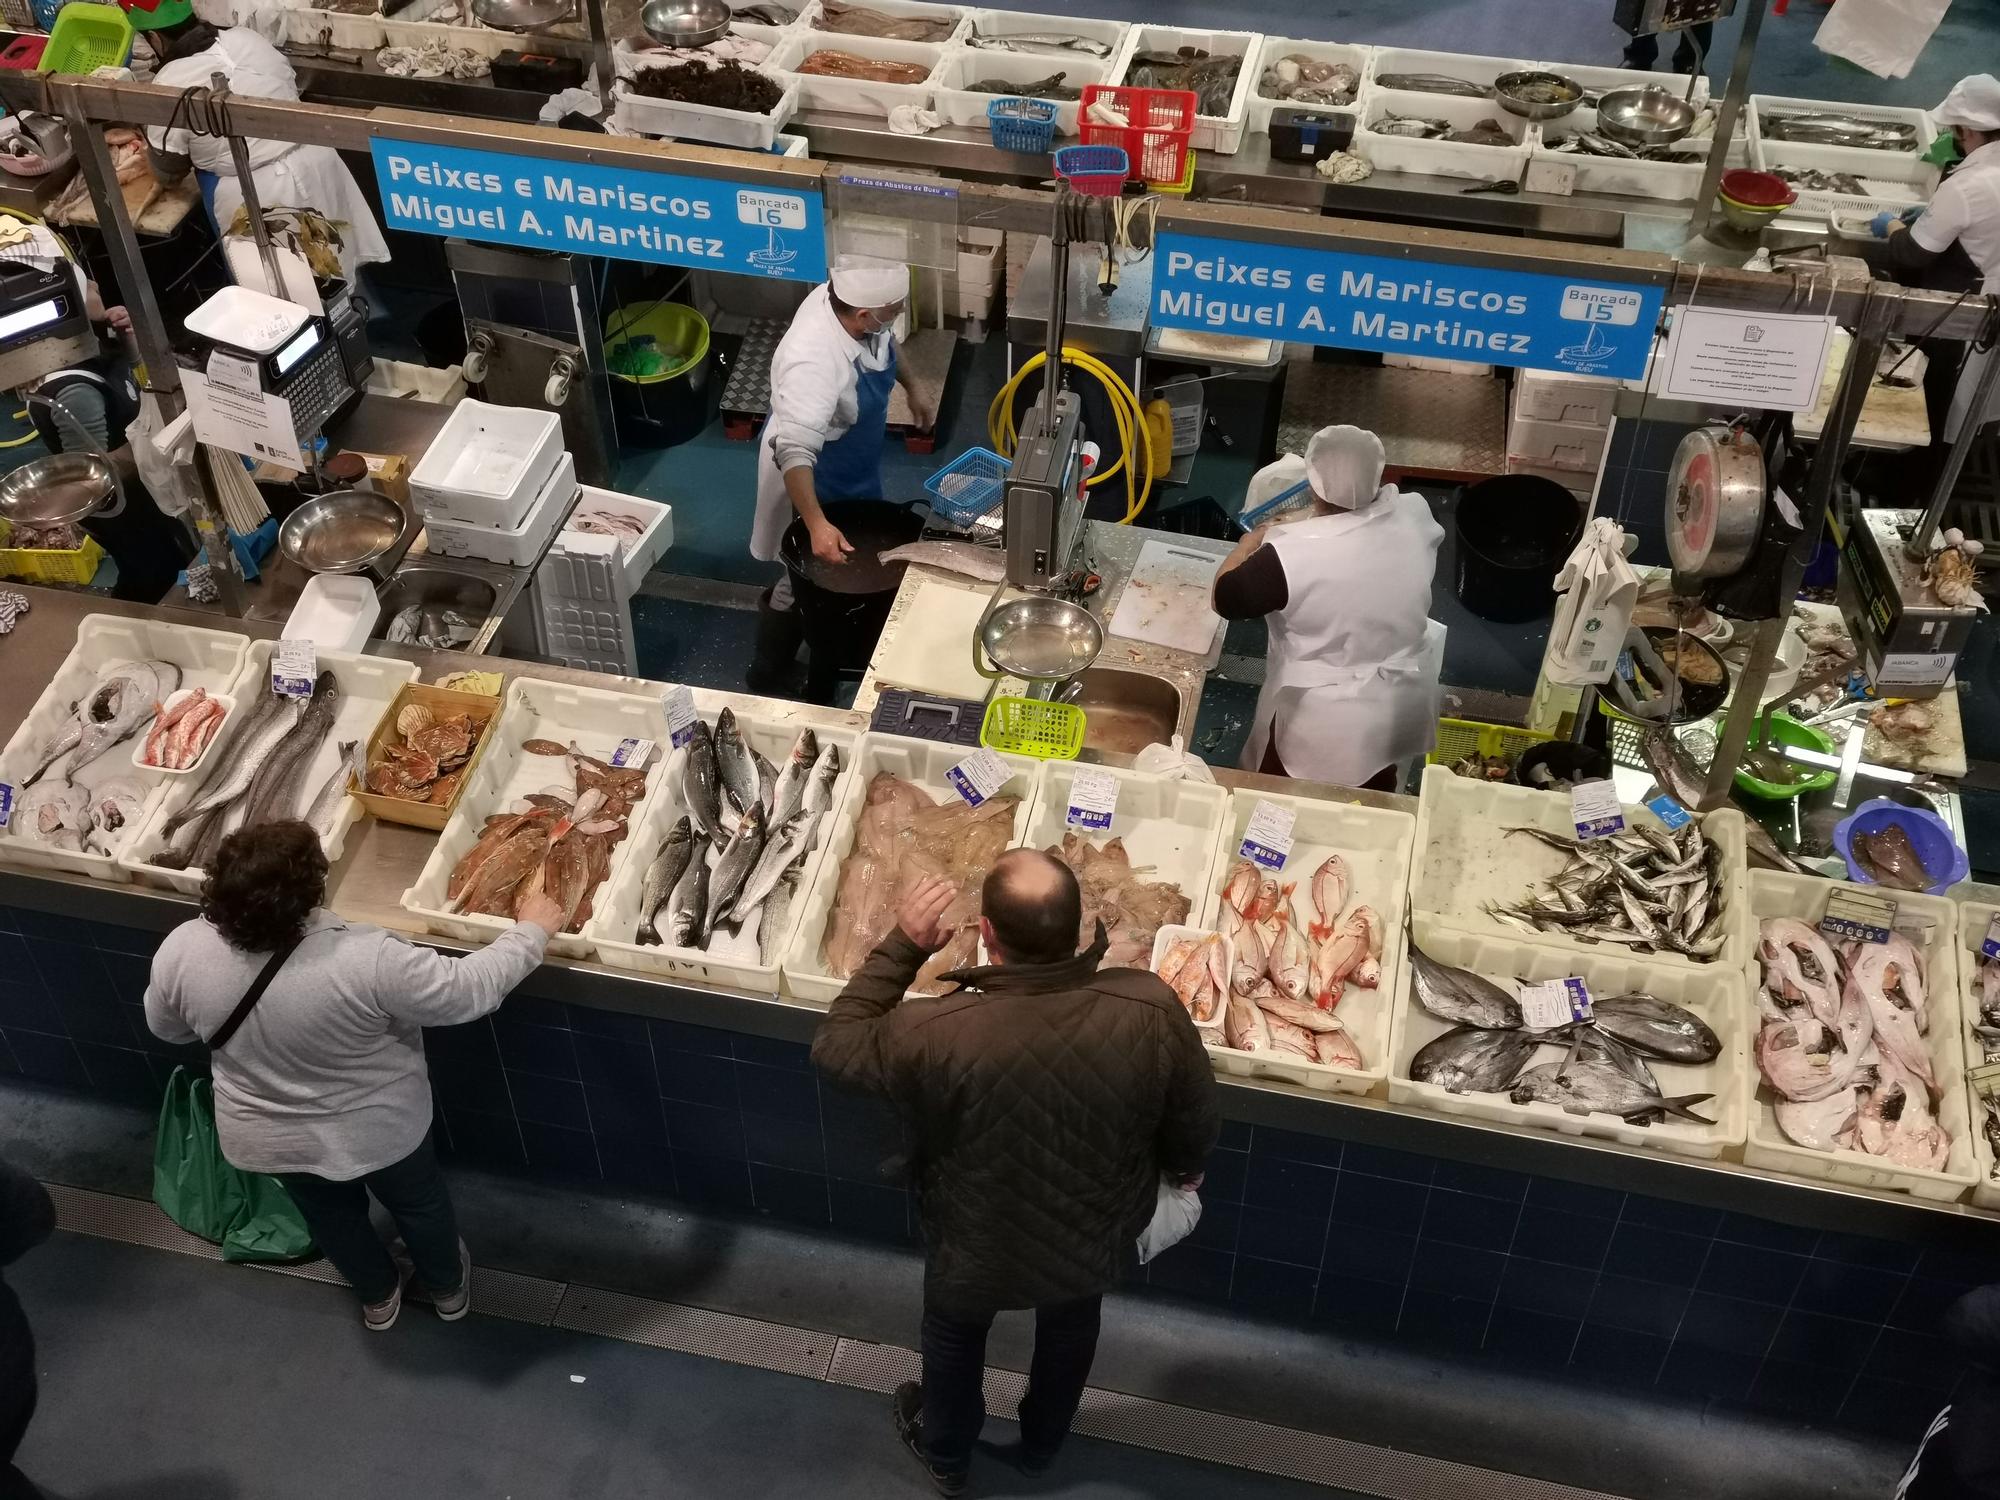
[(157, 471), (1176, 1211), (249, 1215)]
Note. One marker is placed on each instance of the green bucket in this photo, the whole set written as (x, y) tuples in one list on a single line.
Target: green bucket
[(1787, 731), (657, 353)]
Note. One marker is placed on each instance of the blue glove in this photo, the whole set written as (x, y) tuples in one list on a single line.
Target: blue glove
[(1913, 213), (1879, 225)]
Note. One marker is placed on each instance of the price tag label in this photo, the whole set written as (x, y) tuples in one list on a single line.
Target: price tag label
[(6, 804), (978, 776), (681, 718), (1594, 808), (1985, 1080), (1989, 946), (294, 665), (1267, 842), (1093, 797), (1670, 812), (1553, 1003), (635, 753), (1858, 916)]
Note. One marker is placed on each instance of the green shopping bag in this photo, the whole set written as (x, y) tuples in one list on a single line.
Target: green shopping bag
[(249, 1215)]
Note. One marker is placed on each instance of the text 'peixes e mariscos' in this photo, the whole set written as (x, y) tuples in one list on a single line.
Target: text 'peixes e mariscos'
[(566, 203)]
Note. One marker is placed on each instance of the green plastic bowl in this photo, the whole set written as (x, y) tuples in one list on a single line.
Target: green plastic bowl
[(1789, 731)]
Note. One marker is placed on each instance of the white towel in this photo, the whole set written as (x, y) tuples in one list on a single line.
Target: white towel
[(1883, 36)]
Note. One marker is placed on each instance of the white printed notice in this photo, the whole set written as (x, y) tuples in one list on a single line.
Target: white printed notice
[(1093, 798), (231, 412), (1268, 839), (294, 665), (1769, 360), (978, 776), (1595, 810)]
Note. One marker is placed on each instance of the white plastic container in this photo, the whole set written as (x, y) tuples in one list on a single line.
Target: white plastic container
[(1173, 932), (1542, 396), (515, 546), (336, 612), (637, 554), (1557, 445), (312, 27), (1222, 134), (1862, 159), (596, 720), (1466, 858), (1663, 180), (1479, 70), (1259, 107), (1887, 180), (854, 95), (628, 59), (675, 120), (368, 685), (1376, 844), (403, 379), (921, 10), (405, 30), (1804, 897), (1973, 919), (924, 762), (1716, 996), (962, 66), (174, 700), (988, 22), (1439, 157), (209, 659), (1605, 80), (488, 464), (612, 931)]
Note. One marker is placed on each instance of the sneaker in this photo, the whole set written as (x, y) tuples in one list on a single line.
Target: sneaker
[(1034, 1462), (380, 1317), (908, 1409), (451, 1306)]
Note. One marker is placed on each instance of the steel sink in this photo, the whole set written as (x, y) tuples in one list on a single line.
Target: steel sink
[(1124, 711), (431, 590)]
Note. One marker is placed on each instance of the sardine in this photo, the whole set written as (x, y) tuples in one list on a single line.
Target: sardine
[(687, 908), (661, 876), (238, 762), (1036, 41), (700, 786), (323, 810), (734, 867), (1434, 83), (1471, 1060), (1595, 1088), (773, 925), (733, 765), (1460, 996), (1657, 1028)]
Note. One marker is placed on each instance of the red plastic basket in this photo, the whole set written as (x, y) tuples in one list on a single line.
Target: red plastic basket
[(1156, 140)]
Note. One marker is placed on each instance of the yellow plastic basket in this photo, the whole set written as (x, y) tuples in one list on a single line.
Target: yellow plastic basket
[(1177, 189), (1458, 738), (1028, 726), (42, 565)]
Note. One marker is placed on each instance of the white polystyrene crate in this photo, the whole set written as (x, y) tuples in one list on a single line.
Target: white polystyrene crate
[(639, 553), (515, 546), (1439, 158), (613, 930), (481, 41), (1804, 897), (583, 607), (1597, 80), (1860, 159), (924, 762), (628, 56), (595, 720), (675, 120), (1715, 994), (368, 685), (487, 464), (1376, 843), (1630, 177), (961, 105), (1479, 70), (1974, 917), (210, 659), (1557, 445), (854, 95), (925, 10), (1887, 180), (1544, 396), (1222, 134), (1259, 106), (1466, 859), (1110, 35), (312, 27)]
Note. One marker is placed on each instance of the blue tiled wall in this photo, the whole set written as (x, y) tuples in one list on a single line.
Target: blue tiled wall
[(1470, 1262)]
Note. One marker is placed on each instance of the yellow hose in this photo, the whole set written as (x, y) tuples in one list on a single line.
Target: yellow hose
[(1126, 414)]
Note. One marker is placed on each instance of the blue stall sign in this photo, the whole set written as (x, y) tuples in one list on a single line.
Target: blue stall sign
[(622, 212), (1430, 308)]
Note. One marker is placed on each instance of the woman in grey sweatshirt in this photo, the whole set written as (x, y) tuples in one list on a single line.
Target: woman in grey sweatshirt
[(323, 1085)]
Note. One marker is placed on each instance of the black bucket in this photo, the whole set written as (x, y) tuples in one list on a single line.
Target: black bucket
[(1566, 760), (843, 606), (1513, 534)]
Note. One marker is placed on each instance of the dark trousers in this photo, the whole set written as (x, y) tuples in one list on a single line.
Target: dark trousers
[(17, 1401), (955, 1366), (413, 1191), (1643, 51)]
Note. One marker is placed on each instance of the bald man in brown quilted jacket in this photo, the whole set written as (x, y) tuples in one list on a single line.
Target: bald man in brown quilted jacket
[(1043, 1102)]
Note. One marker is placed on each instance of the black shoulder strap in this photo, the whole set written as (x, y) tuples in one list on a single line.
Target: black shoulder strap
[(255, 993)]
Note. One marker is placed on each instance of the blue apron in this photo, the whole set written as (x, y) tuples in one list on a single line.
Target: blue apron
[(850, 467)]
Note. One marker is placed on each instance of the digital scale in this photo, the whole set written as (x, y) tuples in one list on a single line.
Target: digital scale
[(43, 324), (1909, 641), (248, 343), (1644, 17), (1044, 495)]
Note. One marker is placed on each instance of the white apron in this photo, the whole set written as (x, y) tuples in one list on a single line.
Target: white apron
[(1351, 679)]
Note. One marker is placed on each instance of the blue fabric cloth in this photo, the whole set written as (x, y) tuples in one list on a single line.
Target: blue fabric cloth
[(250, 550), (850, 467)]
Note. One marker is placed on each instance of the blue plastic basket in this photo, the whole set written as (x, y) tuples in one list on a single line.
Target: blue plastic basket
[(1099, 171), (981, 479), (1024, 125)]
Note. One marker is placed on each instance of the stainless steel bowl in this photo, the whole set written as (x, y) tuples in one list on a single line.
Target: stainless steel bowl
[(685, 23), (1507, 89), (342, 531), (55, 488), (523, 15), (1644, 117), (1041, 639)]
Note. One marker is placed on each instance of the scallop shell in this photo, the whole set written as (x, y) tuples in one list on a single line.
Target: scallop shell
[(414, 717)]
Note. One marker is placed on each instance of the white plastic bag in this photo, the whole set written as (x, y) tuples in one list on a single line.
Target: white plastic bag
[(1883, 36), (1172, 762), (157, 471), (1598, 591), (1175, 1213)]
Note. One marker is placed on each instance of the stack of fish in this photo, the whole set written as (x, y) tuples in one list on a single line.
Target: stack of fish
[(1484, 132), (1133, 910), (1987, 1030), (724, 878), (560, 840), (1212, 80), (1643, 889), (860, 20), (1300, 79), (1839, 130), (1842, 1045), (1605, 1067), (1287, 979), (830, 62), (259, 776), (180, 733), (1810, 180), (1053, 87)]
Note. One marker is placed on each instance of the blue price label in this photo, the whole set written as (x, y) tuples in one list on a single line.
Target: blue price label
[(1989, 947), (1670, 812), (1858, 916), (1258, 854), (6, 804)]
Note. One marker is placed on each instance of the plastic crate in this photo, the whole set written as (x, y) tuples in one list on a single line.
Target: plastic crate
[(1030, 726), (87, 37), (1099, 171), (1458, 738), (984, 482), (1024, 125), (48, 565), (1156, 142)]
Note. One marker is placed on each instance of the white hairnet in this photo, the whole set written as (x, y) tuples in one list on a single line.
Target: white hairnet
[(1973, 102), (861, 281), (1344, 466)]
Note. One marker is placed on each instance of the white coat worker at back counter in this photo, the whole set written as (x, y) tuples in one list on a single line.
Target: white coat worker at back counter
[(1351, 675), (831, 378)]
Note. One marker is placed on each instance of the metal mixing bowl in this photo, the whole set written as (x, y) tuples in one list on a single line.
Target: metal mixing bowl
[(522, 15), (1644, 117), (342, 531), (1041, 638), (1507, 87), (685, 23), (55, 488)]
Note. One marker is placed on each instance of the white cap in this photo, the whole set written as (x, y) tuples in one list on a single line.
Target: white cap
[(1344, 466), (1973, 102), (861, 281)]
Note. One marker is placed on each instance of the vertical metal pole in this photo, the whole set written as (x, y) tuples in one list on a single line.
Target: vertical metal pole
[(1733, 95), (1058, 306), (1919, 545), (149, 330), (600, 48), (239, 151)]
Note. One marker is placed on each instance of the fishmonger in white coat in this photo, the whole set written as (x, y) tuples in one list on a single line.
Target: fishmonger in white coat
[(1351, 676)]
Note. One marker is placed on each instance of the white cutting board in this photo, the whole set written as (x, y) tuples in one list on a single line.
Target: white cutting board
[(932, 648), (1165, 602)]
